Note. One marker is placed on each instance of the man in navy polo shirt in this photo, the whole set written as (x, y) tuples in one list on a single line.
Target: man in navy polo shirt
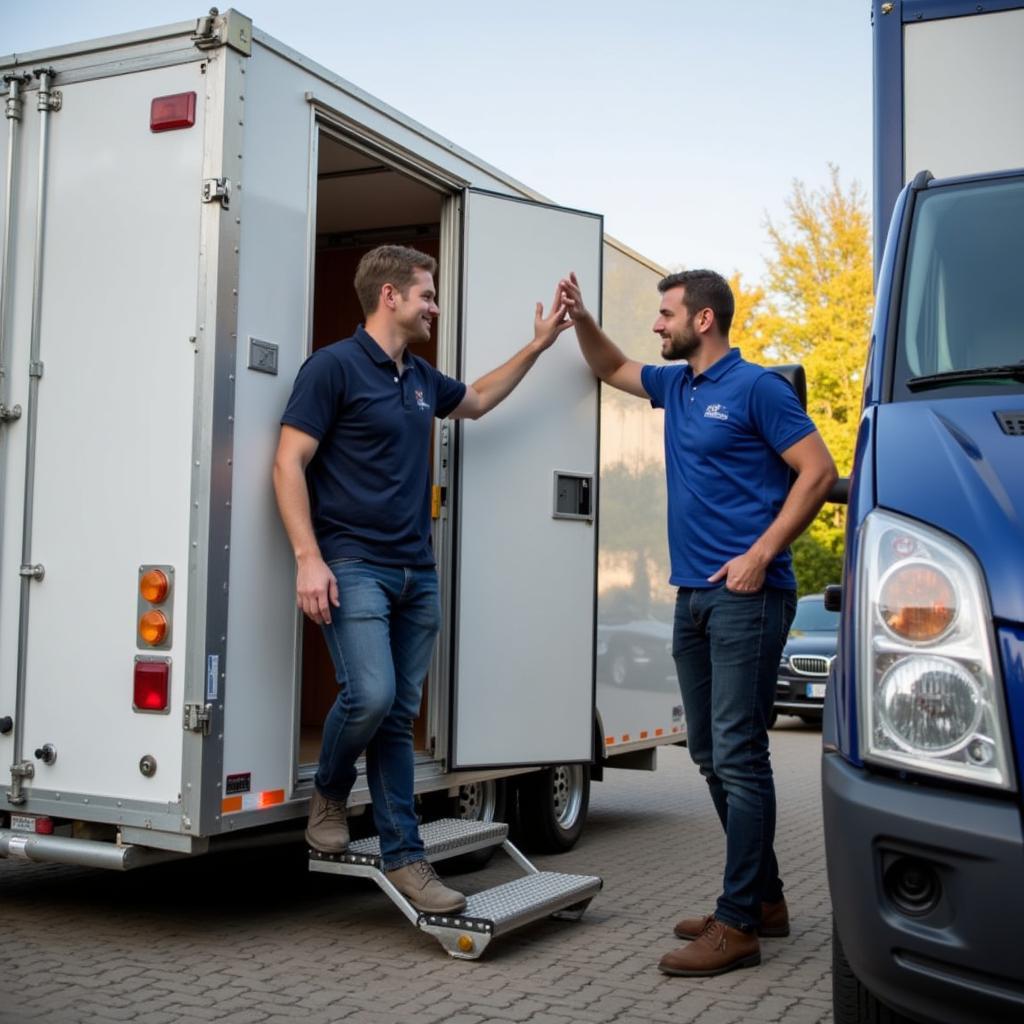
[(352, 478), (735, 436)]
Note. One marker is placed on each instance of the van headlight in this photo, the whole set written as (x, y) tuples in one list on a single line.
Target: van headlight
[(928, 680)]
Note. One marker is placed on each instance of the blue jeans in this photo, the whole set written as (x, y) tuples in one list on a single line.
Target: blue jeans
[(381, 639), (726, 647)]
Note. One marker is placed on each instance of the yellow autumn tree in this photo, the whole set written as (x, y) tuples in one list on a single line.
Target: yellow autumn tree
[(815, 308)]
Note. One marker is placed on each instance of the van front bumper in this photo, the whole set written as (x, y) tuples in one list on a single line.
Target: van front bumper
[(954, 958)]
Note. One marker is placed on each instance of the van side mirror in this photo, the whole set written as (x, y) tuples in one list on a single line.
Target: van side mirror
[(834, 598)]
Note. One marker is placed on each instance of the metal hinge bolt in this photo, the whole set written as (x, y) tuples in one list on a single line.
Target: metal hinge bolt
[(35, 572), (19, 772), (9, 412), (217, 190), (198, 718)]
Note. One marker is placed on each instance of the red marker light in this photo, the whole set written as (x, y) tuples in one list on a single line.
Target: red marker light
[(152, 686), (166, 113)]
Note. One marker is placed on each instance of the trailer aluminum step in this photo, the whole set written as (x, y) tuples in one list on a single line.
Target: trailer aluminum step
[(487, 914)]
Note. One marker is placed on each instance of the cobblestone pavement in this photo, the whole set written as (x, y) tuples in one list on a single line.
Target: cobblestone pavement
[(242, 938)]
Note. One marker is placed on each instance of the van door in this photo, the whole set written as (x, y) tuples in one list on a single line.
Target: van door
[(525, 541)]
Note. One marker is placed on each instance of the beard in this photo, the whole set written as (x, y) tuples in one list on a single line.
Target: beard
[(680, 348)]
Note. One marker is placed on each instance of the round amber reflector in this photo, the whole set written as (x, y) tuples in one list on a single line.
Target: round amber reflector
[(918, 603), (154, 585), (465, 943), (153, 627)]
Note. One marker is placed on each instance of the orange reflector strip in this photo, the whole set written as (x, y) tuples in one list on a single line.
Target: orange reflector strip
[(675, 728), (643, 735), (625, 737), (659, 732), (230, 804), (609, 741), (271, 797)]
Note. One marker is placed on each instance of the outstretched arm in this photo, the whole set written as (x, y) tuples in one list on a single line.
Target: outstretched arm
[(606, 359), (815, 475), (484, 394), (316, 589)]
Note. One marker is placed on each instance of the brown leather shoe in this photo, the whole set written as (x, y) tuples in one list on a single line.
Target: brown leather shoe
[(327, 828), (774, 920), (774, 923), (718, 948)]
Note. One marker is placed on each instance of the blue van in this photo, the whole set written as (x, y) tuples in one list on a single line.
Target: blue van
[(924, 720)]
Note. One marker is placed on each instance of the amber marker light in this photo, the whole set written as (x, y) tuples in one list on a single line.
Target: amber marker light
[(153, 627), (917, 602), (154, 586)]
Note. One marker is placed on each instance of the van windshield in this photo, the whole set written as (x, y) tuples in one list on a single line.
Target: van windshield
[(962, 321)]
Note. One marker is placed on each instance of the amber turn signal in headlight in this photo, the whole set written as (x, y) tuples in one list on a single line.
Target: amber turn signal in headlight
[(154, 586), (917, 602), (153, 627)]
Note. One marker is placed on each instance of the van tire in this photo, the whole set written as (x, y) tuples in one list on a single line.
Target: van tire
[(852, 1003), (553, 806)]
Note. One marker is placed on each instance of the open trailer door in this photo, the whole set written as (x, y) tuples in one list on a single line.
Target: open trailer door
[(525, 548)]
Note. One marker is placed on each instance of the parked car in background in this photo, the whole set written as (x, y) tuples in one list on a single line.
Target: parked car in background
[(806, 660)]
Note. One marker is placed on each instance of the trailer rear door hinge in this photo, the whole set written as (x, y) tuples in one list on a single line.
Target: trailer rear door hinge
[(9, 412), (229, 29), (198, 718), (35, 572), (217, 190)]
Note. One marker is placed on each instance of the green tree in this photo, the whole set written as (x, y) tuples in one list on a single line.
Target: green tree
[(815, 308)]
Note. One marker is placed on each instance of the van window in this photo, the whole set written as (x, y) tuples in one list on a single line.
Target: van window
[(963, 301)]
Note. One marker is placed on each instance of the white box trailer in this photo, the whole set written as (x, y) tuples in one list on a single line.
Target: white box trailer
[(183, 211)]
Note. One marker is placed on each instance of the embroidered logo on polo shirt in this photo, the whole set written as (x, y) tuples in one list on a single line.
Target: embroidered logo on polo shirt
[(716, 412), (419, 400)]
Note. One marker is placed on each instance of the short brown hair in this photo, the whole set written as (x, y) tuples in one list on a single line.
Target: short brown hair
[(704, 290), (389, 264)]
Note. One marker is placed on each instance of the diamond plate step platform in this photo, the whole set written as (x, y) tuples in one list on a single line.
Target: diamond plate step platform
[(447, 837), (488, 914), (496, 911)]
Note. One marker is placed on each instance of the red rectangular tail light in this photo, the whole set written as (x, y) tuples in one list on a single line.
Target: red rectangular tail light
[(152, 685), (166, 113)]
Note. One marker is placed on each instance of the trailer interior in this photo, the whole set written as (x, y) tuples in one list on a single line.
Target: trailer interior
[(361, 202)]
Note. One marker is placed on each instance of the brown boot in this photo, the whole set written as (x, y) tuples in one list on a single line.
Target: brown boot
[(327, 829), (419, 884), (774, 920), (774, 923), (718, 948)]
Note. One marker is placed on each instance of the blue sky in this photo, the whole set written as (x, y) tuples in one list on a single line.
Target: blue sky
[(685, 123)]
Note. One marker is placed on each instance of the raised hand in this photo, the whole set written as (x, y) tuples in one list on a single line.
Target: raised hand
[(547, 328)]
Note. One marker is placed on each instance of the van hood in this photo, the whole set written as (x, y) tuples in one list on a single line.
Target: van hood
[(949, 463)]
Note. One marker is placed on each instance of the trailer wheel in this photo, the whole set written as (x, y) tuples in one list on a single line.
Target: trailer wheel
[(553, 807), (852, 1003), (484, 801)]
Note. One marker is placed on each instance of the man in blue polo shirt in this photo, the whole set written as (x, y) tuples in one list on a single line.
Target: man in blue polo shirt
[(735, 437), (352, 477)]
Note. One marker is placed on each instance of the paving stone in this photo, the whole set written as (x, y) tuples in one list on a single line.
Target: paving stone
[(187, 943)]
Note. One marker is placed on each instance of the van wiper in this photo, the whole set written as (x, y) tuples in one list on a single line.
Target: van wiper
[(974, 375)]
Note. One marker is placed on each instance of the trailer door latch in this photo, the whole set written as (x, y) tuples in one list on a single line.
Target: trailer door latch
[(217, 190), (198, 718)]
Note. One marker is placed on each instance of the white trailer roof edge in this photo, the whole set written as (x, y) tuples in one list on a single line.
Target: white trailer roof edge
[(118, 65), (99, 45)]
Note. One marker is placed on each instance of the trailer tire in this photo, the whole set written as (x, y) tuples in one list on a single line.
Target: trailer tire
[(553, 806), (484, 801), (852, 1003)]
